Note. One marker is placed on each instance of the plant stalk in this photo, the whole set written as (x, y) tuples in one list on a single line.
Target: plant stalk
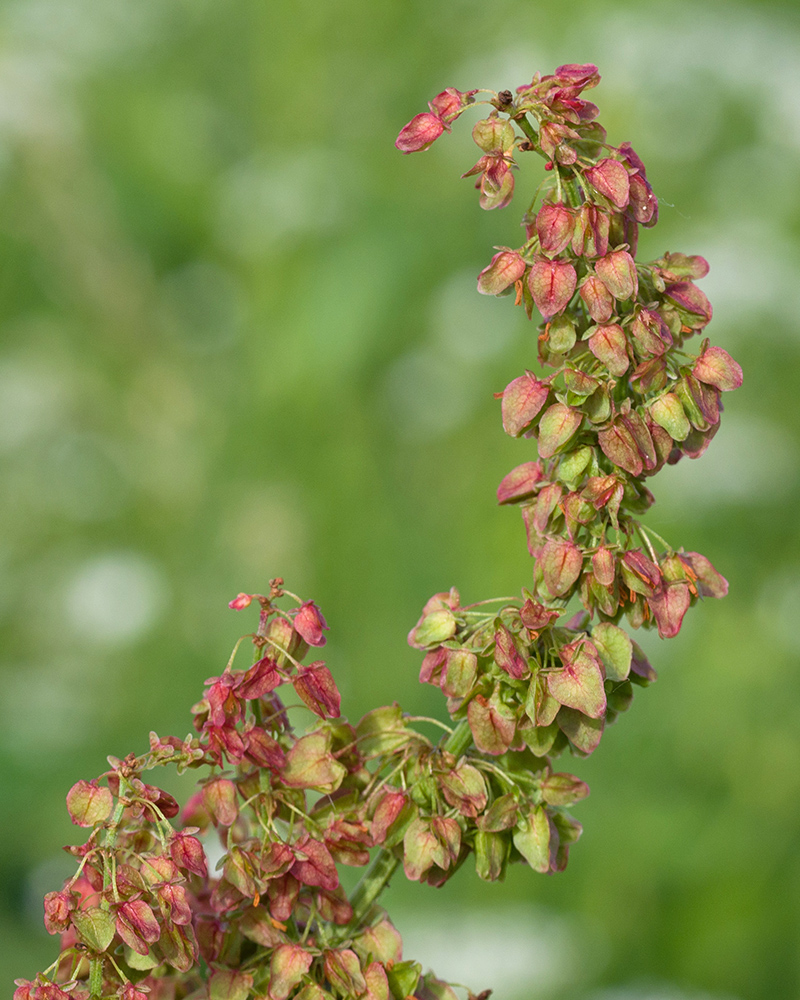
[(371, 886), (385, 863)]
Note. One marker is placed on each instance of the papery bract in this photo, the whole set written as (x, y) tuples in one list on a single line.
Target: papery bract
[(617, 271), (610, 178), (503, 270), (451, 102), (420, 133), (555, 225), (187, 853), (288, 965), (558, 425), (492, 724), (561, 564), (552, 283), (579, 683), (598, 299), (219, 797), (519, 483), (89, 803), (314, 864), (317, 688), (137, 925), (716, 367), (309, 622), (608, 344), (522, 401), (57, 909)]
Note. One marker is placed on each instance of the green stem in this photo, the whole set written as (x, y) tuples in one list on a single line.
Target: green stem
[(530, 132), (458, 741), (385, 864), (96, 977), (371, 886)]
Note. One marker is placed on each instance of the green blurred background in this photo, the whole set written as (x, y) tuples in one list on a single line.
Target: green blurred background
[(240, 338)]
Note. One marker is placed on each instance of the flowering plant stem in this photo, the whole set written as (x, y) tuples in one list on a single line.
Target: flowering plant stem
[(523, 683)]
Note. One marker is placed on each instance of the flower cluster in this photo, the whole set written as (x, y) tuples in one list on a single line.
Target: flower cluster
[(625, 398), (146, 916)]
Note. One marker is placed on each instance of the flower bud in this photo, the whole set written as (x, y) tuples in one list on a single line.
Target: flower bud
[(57, 909), (491, 855), (309, 622), (240, 601)]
